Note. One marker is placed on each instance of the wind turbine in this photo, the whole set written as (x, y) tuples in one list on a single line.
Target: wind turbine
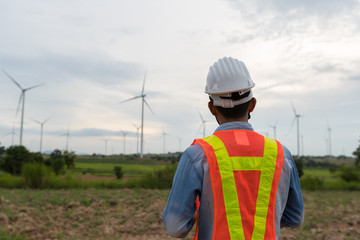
[(105, 140), (137, 137), (296, 117), (179, 138), (329, 134), (202, 123), (12, 135), (22, 97), (67, 134), (41, 130), (274, 127), (142, 96), (164, 135), (124, 134)]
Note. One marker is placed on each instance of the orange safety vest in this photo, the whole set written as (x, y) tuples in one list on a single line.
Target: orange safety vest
[(245, 169)]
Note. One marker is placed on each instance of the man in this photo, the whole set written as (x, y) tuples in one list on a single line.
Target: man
[(237, 184)]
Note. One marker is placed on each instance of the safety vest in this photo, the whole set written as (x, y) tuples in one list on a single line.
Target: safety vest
[(245, 169)]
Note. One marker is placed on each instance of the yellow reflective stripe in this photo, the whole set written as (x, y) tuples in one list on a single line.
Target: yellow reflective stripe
[(266, 178), (227, 166), (232, 209)]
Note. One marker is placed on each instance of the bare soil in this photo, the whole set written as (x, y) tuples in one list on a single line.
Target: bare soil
[(137, 214)]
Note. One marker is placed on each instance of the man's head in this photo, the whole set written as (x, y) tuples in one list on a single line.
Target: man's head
[(229, 87)]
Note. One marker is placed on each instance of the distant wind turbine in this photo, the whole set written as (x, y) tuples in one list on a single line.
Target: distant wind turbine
[(296, 117), (202, 123), (164, 135), (274, 127), (179, 138), (67, 134), (12, 135), (41, 130), (137, 137), (106, 140), (142, 95), (329, 134), (22, 97), (124, 134)]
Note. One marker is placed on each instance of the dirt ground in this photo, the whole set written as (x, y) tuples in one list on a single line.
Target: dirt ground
[(137, 215)]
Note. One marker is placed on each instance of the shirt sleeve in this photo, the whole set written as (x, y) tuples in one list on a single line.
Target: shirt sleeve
[(293, 215), (180, 208)]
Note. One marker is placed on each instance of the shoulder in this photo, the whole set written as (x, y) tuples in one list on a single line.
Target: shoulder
[(194, 153)]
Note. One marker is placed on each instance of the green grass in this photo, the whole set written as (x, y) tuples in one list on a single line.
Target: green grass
[(321, 173), (106, 169)]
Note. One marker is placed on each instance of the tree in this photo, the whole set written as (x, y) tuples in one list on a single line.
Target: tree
[(14, 158), (57, 161), (69, 158), (357, 154)]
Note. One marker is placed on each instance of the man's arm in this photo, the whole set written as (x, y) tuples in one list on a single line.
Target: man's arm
[(293, 215), (180, 208)]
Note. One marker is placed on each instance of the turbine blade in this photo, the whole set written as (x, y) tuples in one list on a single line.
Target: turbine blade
[(143, 87), (202, 119), (34, 86), (46, 120), (292, 124), (12, 79), (18, 106), (130, 99), (199, 129), (149, 107), (36, 121)]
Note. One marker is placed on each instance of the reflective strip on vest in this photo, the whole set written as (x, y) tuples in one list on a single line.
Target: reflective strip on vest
[(245, 168)]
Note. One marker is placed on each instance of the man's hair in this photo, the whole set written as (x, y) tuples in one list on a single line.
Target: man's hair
[(238, 111)]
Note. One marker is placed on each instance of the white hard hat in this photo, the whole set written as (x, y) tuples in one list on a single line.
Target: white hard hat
[(226, 76)]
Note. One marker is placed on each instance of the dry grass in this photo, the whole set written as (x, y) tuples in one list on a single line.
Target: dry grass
[(136, 214)]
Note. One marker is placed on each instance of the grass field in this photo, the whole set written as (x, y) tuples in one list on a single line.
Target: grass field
[(137, 214), (106, 169)]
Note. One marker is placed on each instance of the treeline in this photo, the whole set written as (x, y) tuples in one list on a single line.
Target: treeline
[(24, 169)]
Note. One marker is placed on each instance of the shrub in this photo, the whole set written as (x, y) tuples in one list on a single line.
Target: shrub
[(312, 183), (15, 157), (299, 166), (118, 172), (35, 174), (160, 179), (350, 174)]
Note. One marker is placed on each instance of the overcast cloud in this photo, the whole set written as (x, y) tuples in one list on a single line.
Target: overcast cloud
[(92, 55)]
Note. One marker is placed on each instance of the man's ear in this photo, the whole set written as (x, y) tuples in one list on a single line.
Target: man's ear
[(252, 104), (212, 108)]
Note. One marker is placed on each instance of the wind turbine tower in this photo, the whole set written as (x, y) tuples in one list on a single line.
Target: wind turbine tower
[(274, 128), (296, 117), (67, 134), (164, 135), (143, 102), (202, 123), (124, 134), (106, 140), (22, 97), (329, 134), (41, 131), (137, 137)]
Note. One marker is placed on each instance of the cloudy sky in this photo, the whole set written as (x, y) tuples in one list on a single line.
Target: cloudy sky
[(91, 55)]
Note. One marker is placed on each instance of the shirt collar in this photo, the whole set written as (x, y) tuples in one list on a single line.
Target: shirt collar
[(234, 125)]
